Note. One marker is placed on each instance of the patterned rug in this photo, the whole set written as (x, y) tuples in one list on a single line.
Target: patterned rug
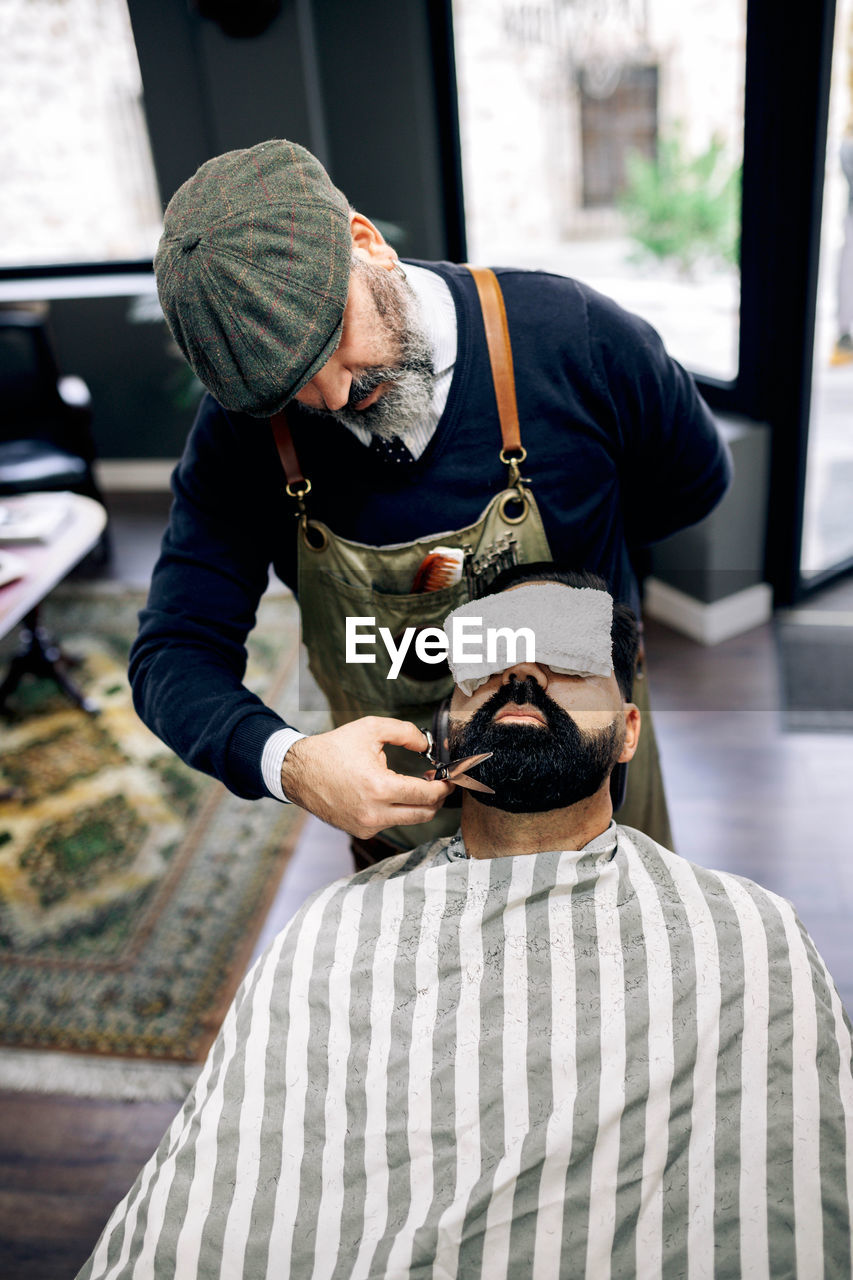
[(131, 887)]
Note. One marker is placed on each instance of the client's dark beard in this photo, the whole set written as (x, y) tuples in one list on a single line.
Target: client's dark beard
[(410, 379), (535, 769)]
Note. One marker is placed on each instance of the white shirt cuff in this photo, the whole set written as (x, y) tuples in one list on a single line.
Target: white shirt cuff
[(276, 748)]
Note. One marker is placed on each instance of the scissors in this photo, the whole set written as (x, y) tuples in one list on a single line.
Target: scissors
[(456, 771)]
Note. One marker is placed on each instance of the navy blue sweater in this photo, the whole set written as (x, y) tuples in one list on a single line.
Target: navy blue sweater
[(621, 452)]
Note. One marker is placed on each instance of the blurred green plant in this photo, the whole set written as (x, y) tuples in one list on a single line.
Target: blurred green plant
[(684, 210)]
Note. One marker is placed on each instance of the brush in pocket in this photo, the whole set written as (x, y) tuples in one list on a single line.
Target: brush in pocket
[(441, 568)]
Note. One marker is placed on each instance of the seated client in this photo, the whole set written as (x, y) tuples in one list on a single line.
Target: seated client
[(543, 1047)]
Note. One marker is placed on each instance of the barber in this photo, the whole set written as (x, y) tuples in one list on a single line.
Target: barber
[(360, 396)]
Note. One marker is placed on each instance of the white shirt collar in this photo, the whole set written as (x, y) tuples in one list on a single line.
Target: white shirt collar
[(438, 313)]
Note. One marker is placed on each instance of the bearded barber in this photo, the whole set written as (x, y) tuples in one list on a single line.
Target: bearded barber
[(360, 396)]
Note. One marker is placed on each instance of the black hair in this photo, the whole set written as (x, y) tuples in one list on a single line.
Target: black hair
[(625, 633)]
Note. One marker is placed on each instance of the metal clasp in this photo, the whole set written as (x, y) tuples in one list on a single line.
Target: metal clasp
[(515, 481), (299, 495), (514, 463)]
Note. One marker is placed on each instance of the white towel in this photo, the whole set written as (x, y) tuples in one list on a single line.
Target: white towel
[(570, 628)]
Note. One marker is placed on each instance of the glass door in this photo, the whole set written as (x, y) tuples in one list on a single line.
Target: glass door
[(827, 543)]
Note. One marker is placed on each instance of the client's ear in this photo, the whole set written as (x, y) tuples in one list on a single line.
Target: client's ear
[(632, 732)]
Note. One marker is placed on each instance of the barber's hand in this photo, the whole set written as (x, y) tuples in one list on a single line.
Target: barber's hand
[(343, 777)]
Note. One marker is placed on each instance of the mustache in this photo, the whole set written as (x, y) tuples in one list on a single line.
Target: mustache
[(368, 381), (525, 692), (360, 388)]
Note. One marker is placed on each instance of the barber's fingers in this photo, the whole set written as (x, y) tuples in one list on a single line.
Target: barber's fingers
[(407, 816), (368, 815), (396, 733), (399, 788), (343, 777)]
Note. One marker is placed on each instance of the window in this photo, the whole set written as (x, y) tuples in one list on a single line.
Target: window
[(78, 180), (618, 119), (603, 139)]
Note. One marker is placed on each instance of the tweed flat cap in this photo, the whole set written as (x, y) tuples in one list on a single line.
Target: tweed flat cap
[(253, 270)]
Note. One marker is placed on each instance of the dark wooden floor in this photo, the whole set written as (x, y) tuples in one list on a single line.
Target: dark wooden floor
[(64, 1164), (748, 797), (745, 797)]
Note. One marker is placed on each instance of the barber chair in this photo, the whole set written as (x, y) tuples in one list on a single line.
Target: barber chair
[(45, 420)]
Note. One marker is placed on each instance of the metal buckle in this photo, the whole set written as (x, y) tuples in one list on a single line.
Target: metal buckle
[(299, 495), (514, 463)]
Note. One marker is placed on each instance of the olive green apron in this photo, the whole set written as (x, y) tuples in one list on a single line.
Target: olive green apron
[(339, 579)]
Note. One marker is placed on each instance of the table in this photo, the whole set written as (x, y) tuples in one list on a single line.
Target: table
[(46, 565)]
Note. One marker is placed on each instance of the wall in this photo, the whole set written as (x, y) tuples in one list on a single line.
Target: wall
[(354, 83)]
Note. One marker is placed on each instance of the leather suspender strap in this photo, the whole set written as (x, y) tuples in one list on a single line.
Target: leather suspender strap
[(297, 485), (500, 354), (286, 450)]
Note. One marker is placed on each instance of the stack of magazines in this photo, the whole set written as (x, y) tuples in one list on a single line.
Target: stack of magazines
[(36, 520)]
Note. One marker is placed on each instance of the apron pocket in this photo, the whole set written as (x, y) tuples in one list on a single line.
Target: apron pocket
[(417, 682)]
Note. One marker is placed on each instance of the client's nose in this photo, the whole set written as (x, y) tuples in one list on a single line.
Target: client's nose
[(526, 670)]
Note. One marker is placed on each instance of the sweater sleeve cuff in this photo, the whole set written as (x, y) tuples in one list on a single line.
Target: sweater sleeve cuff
[(276, 748), (245, 752)]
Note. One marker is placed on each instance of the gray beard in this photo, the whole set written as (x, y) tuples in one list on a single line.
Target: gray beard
[(406, 399), (400, 409)]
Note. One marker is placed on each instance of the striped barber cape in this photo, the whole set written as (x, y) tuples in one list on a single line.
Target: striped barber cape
[(604, 1063)]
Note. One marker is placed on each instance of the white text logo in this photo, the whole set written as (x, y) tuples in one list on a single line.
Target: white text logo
[(431, 644)]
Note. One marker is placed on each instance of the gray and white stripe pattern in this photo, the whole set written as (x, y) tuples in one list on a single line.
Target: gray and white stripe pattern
[(609, 1063)]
